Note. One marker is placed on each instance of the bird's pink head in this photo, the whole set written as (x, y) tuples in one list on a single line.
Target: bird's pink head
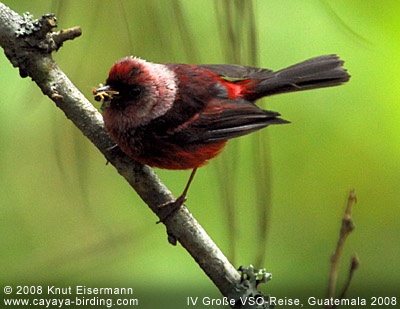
[(142, 90)]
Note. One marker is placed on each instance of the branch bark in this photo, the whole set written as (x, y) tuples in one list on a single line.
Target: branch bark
[(28, 45)]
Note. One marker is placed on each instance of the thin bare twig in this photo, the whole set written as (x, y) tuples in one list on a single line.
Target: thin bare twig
[(353, 267), (346, 228)]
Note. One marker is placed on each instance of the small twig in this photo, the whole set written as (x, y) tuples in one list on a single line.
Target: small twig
[(353, 267), (346, 229), (64, 35)]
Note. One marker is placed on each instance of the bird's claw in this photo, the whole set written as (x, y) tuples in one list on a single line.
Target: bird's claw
[(172, 207)]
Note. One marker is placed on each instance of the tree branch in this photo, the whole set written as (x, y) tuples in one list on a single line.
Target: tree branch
[(28, 45), (346, 228)]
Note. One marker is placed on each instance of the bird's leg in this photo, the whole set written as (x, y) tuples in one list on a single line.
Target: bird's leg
[(182, 197), (175, 205)]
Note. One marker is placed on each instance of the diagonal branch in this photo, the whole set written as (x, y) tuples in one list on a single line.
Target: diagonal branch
[(28, 45)]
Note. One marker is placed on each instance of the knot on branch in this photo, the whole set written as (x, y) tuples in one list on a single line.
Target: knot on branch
[(28, 38), (38, 33), (42, 26)]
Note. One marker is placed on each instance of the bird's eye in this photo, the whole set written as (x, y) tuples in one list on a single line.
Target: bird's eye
[(135, 91)]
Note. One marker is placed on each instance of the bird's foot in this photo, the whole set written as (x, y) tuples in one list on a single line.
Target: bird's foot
[(171, 207)]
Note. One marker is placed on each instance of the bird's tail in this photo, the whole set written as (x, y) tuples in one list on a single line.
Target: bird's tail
[(319, 72)]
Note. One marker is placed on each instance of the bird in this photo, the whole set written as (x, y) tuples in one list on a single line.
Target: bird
[(179, 116)]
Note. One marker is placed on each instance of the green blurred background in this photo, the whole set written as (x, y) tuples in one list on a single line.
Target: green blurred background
[(66, 218)]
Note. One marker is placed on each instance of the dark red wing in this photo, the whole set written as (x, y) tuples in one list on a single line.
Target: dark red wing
[(240, 72), (224, 119)]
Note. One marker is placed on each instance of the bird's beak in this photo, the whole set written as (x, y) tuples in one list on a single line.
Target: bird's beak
[(105, 88), (104, 93)]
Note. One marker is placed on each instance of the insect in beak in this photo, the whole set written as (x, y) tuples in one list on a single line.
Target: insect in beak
[(104, 93)]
